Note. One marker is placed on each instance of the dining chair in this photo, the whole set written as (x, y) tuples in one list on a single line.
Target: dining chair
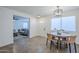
[(50, 38), (63, 42), (71, 40)]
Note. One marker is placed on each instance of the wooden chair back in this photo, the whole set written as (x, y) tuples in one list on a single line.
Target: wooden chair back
[(71, 39), (50, 37)]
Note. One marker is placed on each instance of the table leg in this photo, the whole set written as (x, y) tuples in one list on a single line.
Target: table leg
[(60, 44), (75, 47), (70, 47), (57, 44), (51, 44)]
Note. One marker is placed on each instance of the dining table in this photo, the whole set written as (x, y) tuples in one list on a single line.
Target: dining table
[(61, 36)]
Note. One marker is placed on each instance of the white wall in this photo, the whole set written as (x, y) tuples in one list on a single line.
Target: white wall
[(47, 24), (43, 26), (33, 27), (6, 25)]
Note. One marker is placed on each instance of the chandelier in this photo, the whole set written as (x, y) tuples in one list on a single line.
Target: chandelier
[(58, 12)]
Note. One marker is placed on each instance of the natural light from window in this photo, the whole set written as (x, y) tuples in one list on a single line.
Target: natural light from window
[(68, 23)]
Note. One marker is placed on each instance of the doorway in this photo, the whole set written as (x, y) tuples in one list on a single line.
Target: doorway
[(21, 27)]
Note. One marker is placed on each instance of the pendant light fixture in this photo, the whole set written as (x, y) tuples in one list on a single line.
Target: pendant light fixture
[(58, 12)]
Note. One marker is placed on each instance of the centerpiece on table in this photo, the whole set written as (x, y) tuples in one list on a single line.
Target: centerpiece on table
[(59, 32)]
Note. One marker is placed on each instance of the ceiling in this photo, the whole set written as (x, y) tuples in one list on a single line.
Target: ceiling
[(40, 10)]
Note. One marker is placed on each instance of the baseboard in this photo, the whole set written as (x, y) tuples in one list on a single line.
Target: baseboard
[(6, 45), (37, 36)]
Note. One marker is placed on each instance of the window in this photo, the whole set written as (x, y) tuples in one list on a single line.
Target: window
[(68, 23), (25, 25)]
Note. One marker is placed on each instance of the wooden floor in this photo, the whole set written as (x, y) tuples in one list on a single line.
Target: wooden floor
[(34, 45)]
